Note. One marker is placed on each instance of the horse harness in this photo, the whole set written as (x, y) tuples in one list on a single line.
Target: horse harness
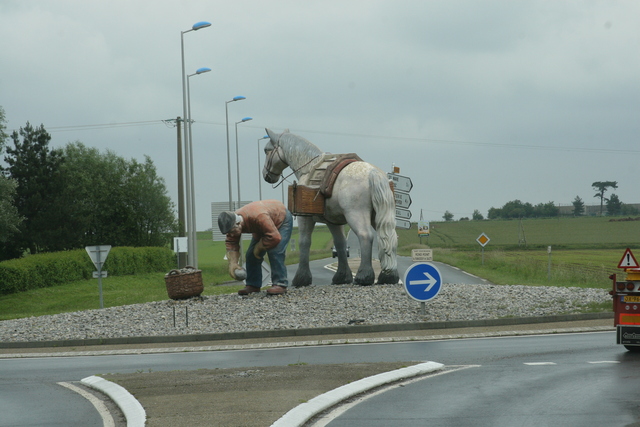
[(309, 199)]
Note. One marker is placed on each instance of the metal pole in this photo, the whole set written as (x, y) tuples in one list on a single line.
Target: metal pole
[(99, 265), (226, 111), (238, 165), (259, 180), (193, 240), (181, 220), (189, 225), (549, 266)]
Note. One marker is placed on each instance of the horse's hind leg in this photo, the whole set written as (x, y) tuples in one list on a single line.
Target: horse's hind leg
[(303, 274), (343, 274), (365, 275)]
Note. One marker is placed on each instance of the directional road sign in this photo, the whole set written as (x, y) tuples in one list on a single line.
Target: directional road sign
[(628, 260), (401, 183), (403, 200), (403, 223), (403, 213), (422, 281)]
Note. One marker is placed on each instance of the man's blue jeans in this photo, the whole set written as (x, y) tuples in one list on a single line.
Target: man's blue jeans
[(276, 258)]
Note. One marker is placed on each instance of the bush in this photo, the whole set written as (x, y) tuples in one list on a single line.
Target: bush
[(56, 268)]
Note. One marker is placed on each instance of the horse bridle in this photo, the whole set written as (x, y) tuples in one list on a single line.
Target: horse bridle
[(270, 162)]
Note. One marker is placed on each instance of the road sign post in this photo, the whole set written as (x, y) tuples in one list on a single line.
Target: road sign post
[(98, 255), (483, 239), (402, 185), (422, 282)]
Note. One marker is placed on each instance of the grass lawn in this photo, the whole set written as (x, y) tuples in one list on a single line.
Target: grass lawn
[(141, 288)]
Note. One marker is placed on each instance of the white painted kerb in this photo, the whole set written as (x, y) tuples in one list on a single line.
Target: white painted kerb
[(304, 412), (132, 409)]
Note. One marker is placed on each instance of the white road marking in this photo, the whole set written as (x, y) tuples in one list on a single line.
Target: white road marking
[(540, 363), (107, 419)]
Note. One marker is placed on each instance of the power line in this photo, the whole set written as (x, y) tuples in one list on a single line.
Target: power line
[(357, 135)]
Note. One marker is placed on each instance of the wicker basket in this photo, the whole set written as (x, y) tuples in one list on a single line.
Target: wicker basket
[(181, 285)]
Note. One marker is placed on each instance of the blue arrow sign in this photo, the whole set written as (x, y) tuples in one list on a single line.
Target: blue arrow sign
[(422, 281)]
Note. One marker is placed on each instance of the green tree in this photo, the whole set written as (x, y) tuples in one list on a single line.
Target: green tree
[(545, 210), (629, 210), (494, 213), (3, 128), (35, 169), (115, 201), (601, 187), (477, 216), (448, 216), (578, 206), (614, 205), (9, 217), (517, 209)]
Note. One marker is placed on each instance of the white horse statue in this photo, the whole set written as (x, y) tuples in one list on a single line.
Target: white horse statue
[(361, 197)]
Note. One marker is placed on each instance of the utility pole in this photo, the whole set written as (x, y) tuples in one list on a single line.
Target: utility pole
[(182, 256)]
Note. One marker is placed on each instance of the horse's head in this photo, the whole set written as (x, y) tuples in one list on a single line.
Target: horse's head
[(275, 162)]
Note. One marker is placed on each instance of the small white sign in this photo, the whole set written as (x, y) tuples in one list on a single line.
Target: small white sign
[(180, 244), (421, 255), (103, 274)]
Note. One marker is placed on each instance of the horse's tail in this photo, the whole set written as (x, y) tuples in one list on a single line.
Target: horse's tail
[(384, 205)]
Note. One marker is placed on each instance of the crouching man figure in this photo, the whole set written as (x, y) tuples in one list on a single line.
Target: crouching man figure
[(271, 224)]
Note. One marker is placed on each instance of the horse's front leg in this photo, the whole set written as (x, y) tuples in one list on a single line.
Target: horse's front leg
[(303, 274), (343, 274)]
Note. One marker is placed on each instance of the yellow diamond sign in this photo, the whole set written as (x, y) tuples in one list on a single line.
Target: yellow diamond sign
[(483, 239)]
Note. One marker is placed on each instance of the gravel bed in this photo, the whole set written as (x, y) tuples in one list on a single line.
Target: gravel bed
[(309, 307)]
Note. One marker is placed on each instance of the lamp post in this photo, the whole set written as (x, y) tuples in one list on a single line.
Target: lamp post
[(259, 163), (226, 112), (193, 261), (191, 226), (246, 119)]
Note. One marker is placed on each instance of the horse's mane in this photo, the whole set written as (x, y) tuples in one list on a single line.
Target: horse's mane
[(299, 151)]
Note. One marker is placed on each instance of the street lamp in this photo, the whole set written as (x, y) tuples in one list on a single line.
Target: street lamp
[(191, 192), (226, 112), (246, 119), (191, 226), (259, 164)]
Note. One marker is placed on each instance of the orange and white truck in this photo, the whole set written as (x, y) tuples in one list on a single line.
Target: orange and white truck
[(626, 302)]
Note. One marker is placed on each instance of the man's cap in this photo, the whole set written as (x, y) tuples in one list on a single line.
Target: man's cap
[(226, 221)]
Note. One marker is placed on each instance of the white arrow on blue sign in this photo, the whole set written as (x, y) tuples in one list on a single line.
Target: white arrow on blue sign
[(422, 281)]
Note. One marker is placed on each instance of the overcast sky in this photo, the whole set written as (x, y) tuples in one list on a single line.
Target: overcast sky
[(478, 102)]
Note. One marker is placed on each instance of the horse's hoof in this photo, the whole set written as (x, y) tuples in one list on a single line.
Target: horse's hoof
[(301, 285), (389, 277), (365, 278), (342, 279)]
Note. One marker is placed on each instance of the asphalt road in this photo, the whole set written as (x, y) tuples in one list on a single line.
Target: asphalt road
[(255, 386)]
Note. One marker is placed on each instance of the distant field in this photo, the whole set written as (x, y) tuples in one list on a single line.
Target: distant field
[(587, 232)]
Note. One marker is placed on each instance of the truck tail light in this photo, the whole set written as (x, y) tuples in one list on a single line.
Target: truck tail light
[(631, 286), (620, 286)]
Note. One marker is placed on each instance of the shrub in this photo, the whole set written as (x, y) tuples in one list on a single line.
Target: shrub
[(55, 268)]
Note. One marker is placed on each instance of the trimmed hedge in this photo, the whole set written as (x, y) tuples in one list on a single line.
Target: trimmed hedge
[(56, 268)]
